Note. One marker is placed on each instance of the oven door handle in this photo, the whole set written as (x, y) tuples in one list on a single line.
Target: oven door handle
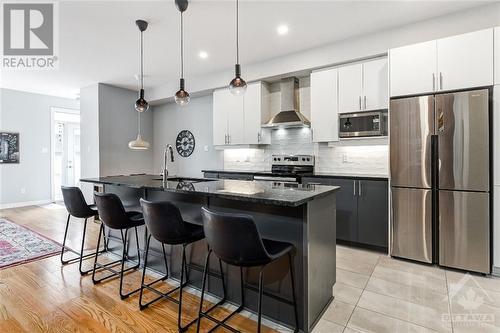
[(275, 179)]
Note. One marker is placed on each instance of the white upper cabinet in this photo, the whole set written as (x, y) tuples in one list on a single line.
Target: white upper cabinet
[(496, 52), (220, 108), (237, 120), (458, 62), (324, 105), (465, 60), (413, 69), (256, 112), (375, 84), (350, 88)]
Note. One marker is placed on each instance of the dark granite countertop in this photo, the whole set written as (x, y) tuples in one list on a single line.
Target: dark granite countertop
[(254, 191), (313, 174)]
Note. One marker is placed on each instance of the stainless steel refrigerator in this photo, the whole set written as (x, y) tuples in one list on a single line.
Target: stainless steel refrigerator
[(440, 179)]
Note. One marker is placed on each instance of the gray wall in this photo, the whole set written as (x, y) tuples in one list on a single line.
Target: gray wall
[(117, 126), (28, 114), (89, 140), (169, 119)]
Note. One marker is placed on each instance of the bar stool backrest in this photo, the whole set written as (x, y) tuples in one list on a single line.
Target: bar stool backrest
[(234, 238), (75, 202), (164, 221), (111, 210)]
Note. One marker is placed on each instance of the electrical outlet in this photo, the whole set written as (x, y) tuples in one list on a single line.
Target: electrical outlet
[(205, 148), (23, 190), (344, 158)]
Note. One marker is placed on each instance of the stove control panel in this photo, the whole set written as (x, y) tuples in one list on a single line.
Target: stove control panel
[(292, 160)]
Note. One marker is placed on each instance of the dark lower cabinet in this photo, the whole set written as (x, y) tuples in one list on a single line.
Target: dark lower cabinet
[(362, 209)]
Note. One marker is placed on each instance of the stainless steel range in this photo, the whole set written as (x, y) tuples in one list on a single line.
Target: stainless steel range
[(288, 168)]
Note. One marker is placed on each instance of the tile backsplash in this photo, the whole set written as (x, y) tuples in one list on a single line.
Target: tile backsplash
[(346, 157)]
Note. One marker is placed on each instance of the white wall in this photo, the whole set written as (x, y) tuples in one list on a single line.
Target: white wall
[(28, 114), (89, 140), (169, 119), (354, 48)]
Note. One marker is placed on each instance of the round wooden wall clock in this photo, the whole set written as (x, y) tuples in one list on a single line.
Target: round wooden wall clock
[(185, 143)]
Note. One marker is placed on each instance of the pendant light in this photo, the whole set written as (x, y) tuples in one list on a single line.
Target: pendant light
[(238, 86), (182, 96), (141, 105), (138, 143)]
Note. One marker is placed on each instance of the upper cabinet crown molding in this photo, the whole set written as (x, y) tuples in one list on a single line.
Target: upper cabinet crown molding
[(237, 120), (457, 62)]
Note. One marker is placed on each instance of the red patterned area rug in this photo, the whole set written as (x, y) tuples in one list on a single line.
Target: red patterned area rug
[(19, 245)]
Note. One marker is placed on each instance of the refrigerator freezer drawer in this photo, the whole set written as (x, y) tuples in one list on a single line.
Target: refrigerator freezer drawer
[(411, 224), (462, 126), (464, 230), (411, 128)]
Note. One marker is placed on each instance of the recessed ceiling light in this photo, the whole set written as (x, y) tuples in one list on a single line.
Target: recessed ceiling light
[(282, 29), (203, 55)]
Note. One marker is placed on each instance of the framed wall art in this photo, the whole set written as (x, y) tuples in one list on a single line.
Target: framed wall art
[(9, 147)]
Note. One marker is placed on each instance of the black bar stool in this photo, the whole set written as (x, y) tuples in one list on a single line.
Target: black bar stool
[(114, 216), (165, 223), (234, 238), (77, 207)]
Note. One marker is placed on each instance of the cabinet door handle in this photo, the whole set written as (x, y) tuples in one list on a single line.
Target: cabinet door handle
[(360, 193), (353, 188), (433, 82), (440, 80), (259, 137), (365, 101), (360, 102), (229, 139)]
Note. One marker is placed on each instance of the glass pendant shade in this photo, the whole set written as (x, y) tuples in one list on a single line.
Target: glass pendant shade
[(139, 143), (141, 105), (238, 86), (181, 96)]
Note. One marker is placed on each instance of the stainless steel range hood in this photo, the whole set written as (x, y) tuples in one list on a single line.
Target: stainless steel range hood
[(290, 115)]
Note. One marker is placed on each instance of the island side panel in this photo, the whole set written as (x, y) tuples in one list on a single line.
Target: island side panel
[(279, 223), (321, 258)]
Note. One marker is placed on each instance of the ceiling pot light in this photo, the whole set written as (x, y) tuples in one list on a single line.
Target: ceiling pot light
[(203, 55), (139, 143), (282, 29), (237, 86), (141, 105), (182, 96)]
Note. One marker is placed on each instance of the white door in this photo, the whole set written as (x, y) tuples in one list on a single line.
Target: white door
[(324, 105), (220, 117), (235, 119), (71, 172), (413, 69), (375, 84), (350, 88), (466, 60)]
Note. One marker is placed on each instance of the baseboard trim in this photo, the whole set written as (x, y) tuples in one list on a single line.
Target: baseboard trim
[(24, 204), (495, 271)]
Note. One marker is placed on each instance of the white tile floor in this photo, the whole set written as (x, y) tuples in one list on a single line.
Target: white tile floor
[(376, 293)]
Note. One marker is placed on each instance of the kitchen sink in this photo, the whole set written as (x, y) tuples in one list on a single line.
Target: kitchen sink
[(186, 179)]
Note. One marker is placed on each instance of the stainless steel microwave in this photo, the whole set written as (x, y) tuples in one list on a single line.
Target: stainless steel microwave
[(363, 124)]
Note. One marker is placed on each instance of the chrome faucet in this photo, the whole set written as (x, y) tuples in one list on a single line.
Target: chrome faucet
[(168, 148)]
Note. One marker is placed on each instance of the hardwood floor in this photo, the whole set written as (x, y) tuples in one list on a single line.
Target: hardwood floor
[(44, 296)]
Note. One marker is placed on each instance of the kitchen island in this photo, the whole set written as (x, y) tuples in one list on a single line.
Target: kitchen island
[(303, 215)]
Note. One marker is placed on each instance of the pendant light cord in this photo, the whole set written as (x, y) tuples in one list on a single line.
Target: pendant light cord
[(142, 61), (237, 34), (182, 47), (139, 123)]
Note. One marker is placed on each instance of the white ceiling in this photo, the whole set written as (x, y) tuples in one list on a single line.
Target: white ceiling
[(99, 40)]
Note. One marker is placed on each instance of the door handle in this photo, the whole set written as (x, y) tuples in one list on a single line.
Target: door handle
[(440, 80), (353, 188), (440, 120), (360, 102), (359, 188), (365, 101)]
